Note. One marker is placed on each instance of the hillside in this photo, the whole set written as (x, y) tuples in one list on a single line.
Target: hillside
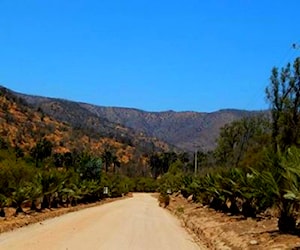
[(22, 125), (184, 130)]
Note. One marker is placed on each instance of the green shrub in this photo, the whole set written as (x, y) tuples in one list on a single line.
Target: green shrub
[(145, 184)]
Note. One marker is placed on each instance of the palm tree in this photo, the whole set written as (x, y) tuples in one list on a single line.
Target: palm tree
[(19, 196), (90, 190), (288, 192), (107, 157), (35, 192), (115, 162), (71, 194), (41, 150), (51, 181), (283, 183)]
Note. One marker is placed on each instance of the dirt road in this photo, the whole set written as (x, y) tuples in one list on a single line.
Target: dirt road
[(136, 223)]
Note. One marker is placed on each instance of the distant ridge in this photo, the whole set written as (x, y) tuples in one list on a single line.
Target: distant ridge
[(187, 130)]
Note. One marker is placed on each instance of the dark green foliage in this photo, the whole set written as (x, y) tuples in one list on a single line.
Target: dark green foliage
[(119, 186), (259, 164), (91, 169), (3, 203), (110, 160), (286, 188), (145, 184), (237, 191), (68, 160), (3, 144), (255, 166), (172, 180), (15, 182), (283, 93), (240, 139), (90, 191), (58, 160), (19, 152), (160, 162), (41, 150), (51, 182), (190, 186)]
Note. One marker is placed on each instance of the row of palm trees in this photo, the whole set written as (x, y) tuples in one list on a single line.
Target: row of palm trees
[(247, 191), (51, 188)]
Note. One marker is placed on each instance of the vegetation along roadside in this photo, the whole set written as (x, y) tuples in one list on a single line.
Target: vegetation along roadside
[(254, 169), (256, 164)]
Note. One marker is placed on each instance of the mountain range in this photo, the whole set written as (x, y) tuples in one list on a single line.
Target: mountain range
[(184, 131)]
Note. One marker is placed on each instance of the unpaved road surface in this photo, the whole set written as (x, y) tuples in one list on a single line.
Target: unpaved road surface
[(136, 223)]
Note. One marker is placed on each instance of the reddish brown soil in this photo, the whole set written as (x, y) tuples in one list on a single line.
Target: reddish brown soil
[(220, 231)]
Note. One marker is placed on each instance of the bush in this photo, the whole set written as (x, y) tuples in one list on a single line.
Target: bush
[(145, 184), (164, 199)]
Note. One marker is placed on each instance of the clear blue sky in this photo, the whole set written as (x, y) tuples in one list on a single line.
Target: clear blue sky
[(154, 55)]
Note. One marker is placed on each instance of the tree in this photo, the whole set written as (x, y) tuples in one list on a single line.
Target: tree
[(173, 179), (116, 162), (18, 152), (155, 165), (185, 158), (51, 182), (58, 160), (91, 170), (205, 160), (107, 158), (160, 162), (283, 181), (19, 177), (238, 137), (20, 195), (63, 160), (68, 159), (283, 94), (41, 150)]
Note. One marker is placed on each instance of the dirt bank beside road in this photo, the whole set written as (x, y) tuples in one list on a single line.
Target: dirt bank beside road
[(221, 231)]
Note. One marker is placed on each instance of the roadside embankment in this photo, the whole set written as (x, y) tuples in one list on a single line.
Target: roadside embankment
[(222, 231)]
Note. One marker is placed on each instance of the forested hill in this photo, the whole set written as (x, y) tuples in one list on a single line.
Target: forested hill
[(184, 130), (69, 128)]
